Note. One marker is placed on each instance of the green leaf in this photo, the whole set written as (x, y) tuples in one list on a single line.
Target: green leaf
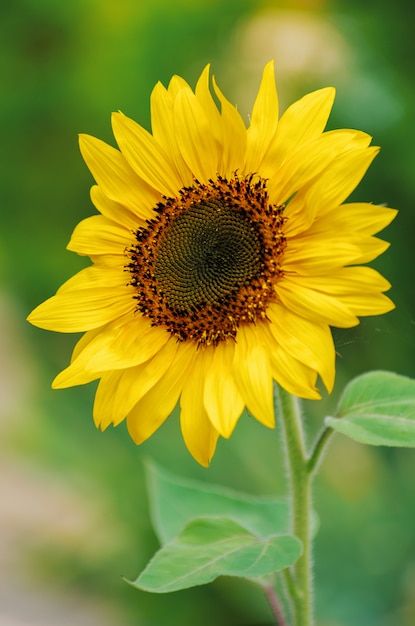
[(377, 408), (210, 547), (174, 501)]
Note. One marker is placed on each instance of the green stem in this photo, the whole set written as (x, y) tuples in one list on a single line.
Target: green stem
[(300, 482), (317, 452), (290, 586)]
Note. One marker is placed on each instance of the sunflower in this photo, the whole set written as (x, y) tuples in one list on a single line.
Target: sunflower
[(221, 257)]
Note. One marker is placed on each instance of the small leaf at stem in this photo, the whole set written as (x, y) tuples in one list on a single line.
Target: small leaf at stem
[(377, 408), (209, 547), (174, 501)]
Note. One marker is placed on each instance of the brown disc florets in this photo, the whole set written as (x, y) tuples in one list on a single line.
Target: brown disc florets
[(209, 259)]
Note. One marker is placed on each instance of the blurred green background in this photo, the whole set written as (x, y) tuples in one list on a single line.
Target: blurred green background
[(73, 509)]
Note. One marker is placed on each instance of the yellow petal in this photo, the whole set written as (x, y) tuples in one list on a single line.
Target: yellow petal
[(128, 342), (307, 341), (234, 136), (89, 299), (368, 304), (355, 217), (198, 432), (176, 85), (204, 96), (162, 124), (195, 138), (93, 276), (306, 164), (73, 313), (302, 121), (340, 178), (298, 176), (75, 374), (120, 391), (349, 281), (310, 303), (264, 120), (118, 181), (351, 290), (99, 235), (109, 405), (289, 372), (157, 404), (114, 210), (124, 343), (299, 214), (82, 343), (302, 258), (370, 248), (145, 155), (294, 376), (252, 373), (318, 255), (221, 398)]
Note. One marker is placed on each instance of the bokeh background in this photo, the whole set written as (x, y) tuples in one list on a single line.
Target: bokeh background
[(73, 510)]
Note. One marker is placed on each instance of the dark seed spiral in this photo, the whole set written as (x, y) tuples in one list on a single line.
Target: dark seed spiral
[(208, 253)]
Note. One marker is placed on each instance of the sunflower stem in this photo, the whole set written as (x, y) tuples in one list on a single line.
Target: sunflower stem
[(288, 408)]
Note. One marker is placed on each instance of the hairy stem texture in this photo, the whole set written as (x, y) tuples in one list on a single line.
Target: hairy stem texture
[(300, 493)]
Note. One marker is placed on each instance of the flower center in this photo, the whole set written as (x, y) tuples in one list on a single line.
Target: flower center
[(209, 259), (209, 252)]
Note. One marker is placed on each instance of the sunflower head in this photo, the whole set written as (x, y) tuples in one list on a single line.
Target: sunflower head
[(221, 256)]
